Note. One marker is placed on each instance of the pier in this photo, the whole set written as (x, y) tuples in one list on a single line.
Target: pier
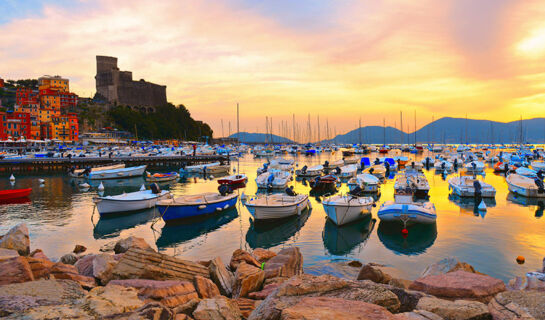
[(59, 164)]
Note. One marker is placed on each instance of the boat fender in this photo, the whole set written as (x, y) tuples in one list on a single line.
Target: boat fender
[(482, 206), (12, 178), (101, 187), (41, 181), (202, 206), (143, 188)]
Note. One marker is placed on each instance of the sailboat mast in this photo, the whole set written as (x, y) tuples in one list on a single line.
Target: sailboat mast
[(266, 129), (384, 130), (327, 127), (359, 130), (293, 125), (318, 116), (401, 126), (415, 127), (238, 125)]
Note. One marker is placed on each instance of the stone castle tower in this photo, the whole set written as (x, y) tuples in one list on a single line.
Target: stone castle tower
[(118, 87)]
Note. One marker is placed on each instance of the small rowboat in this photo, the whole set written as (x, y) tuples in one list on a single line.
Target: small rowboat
[(189, 206), (162, 177), (234, 179), (14, 194)]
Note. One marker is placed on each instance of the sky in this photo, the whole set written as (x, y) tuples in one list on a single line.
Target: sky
[(341, 60)]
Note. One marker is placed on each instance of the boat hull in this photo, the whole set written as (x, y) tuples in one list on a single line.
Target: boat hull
[(118, 173), (173, 212), (406, 212), (344, 214), (272, 213), (14, 194), (111, 206)]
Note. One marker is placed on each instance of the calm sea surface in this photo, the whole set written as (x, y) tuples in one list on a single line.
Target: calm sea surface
[(60, 215)]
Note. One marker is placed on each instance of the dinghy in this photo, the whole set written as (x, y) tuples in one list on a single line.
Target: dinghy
[(407, 211), (348, 171), (474, 167), (345, 209), (276, 206), (367, 182), (273, 180), (76, 173), (523, 171), (14, 194), (443, 166), (306, 172), (524, 186), (467, 186), (325, 183), (128, 202), (189, 206), (117, 173), (412, 180), (162, 177), (377, 170), (234, 179)]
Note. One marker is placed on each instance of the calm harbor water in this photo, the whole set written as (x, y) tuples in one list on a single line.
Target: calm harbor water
[(60, 215)]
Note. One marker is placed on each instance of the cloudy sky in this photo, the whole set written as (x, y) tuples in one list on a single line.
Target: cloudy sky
[(339, 59)]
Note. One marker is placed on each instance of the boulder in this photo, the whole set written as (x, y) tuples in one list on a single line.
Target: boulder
[(355, 264), (137, 263), (8, 254), (263, 255), (246, 306), (39, 254), (111, 300), (205, 287), (460, 285), (155, 311), (240, 255), (529, 304), (41, 268), (375, 272), (65, 271), (302, 286), (219, 308), (418, 315), (455, 310), (69, 258), (182, 317), (447, 265), (50, 312), (79, 249), (99, 266), (531, 281), (124, 245), (408, 299), (400, 283), (85, 265), (170, 293), (15, 270), (264, 293), (248, 279), (334, 308), (186, 308), (543, 266), (287, 263), (222, 277), (17, 239)]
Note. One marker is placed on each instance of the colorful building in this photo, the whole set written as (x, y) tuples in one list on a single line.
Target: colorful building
[(65, 127), (17, 124), (53, 82), (25, 96)]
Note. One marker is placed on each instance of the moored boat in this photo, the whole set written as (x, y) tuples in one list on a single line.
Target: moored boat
[(276, 206), (162, 177), (524, 186), (343, 209), (366, 181), (14, 194), (407, 211), (189, 206), (128, 202), (117, 173), (468, 186), (234, 179), (76, 173)]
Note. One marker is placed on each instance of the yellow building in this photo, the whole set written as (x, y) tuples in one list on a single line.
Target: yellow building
[(54, 83), (47, 114), (60, 128)]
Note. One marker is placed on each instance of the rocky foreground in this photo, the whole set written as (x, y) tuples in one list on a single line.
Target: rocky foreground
[(136, 282)]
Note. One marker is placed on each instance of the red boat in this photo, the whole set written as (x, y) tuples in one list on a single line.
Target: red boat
[(14, 194), (234, 179)]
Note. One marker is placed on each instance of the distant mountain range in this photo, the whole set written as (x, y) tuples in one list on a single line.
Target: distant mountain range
[(444, 130)]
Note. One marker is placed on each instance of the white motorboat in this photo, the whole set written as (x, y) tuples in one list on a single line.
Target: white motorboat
[(210, 168), (468, 186), (307, 172), (348, 171), (77, 173), (367, 182), (412, 180), (345, 209), (118, 173), (524, 186), (443, 166), (404, 209), (127, 202), (377, 170), (276, 206), (523, 171), (538, 165), (474, 167), (274, 179)]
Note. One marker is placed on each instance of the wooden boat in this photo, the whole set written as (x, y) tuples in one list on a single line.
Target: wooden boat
[(14, 194), (84, 172), (128, 202), (403, 209), (162, 177), (467, 186), (189, 206), (277, 206), (524, 186), (234, 179), (118, 173), (325, 183), (345, 209)]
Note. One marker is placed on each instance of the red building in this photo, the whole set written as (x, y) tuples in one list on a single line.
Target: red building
[(3, 118), (1, 83), (69, 100), (25, 96), (17, 124)]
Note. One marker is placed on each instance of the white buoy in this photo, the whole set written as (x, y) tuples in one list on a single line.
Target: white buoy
[(41, 181), (482, 206), (100, 186), (12, 178), (211, 177), (445, 172), (84, 185), (143, 188)]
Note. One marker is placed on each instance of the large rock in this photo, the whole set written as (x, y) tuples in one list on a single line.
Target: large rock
[(111, 300), (455, 310), (152, 310), (38, 254), (17, 239), (69, 258), (170, 293), (408, 299), (239, 256), (99, 266), (219, 308), (318, 308), (418, 315), (65, 271), (447, 265), (8, 254), (124, 245), (222, 277), (263, 294), (15, 270), (248, 279), (303, 286), (287, 263), (246, 306), (460, 285), (376, 273), (205, 287), (137, 263), (41, 268), (263, 255), (510, 305)]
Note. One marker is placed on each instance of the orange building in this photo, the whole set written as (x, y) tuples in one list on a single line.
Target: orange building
[(65, 127), (47, 114), (56, 83)]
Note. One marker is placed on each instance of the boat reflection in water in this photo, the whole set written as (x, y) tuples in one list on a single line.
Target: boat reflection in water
[(187, 229), (340, 241), (417, 241), (111, 225), (524, 201), (267, 234), (470, 205)]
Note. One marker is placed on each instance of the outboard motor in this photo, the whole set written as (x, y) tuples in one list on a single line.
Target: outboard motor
[(85, 172), (455, 163), (506, 167), (377, 161), (443, 165), (474, 165), (290, 192), (357, 191), (387, 166), (539, 184), (338, 171), (326, 164), (270, 180), (224, 190), (154, 187), (478, 188), (304, 169), (371, 170), (427, 162)]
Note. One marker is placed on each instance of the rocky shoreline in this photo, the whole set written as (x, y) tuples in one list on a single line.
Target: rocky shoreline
[(133, 281)]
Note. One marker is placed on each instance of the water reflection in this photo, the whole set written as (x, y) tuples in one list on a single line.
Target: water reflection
[(112, 225), (470, 205), (419, 239), (538, 202), (174, 234), (341, 240), (267, 234)]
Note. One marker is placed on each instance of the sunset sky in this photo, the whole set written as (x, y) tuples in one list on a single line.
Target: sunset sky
[(340, 59)]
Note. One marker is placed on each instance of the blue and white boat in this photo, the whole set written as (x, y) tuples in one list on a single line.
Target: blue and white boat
[(190, 206), (407, 211)]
